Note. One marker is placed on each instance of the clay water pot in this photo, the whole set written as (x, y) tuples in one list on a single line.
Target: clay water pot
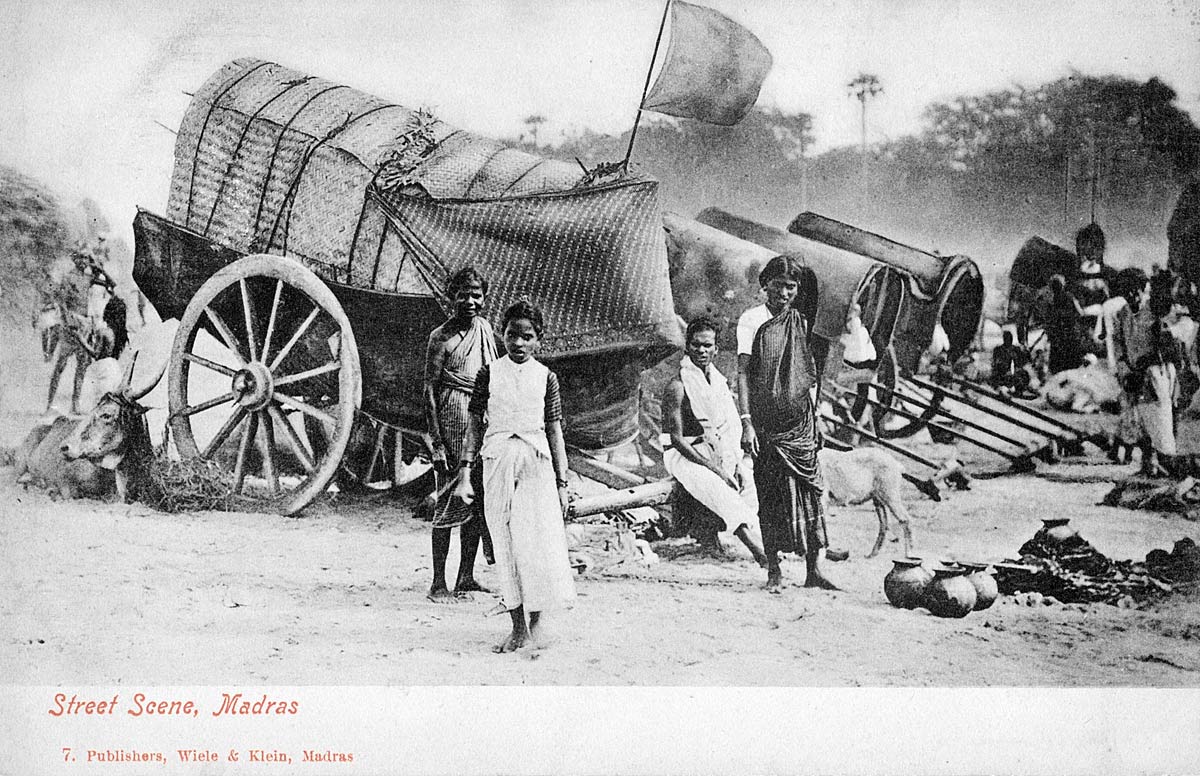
[(1055, 531), (950, 594), (986, 589), (905, 584)]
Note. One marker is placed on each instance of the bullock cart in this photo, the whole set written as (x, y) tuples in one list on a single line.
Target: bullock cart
[(308, 236)]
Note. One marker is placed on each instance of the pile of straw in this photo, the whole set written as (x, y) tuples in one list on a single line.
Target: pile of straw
[(189, 485)]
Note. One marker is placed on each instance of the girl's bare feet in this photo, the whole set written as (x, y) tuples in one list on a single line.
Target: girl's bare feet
[(814, 578), (519, 635), (817, 580), (540, 636), (514, 642)]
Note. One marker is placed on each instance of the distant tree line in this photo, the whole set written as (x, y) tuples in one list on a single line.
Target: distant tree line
[(983, 173)]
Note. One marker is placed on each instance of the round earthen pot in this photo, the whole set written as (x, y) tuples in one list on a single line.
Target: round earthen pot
[(950, 594), (905, 584), (986, 589), (1055, 530)]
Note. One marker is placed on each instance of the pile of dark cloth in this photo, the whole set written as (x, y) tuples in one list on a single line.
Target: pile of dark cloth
[(1181, 497), (1073, 571), (1180, 565)]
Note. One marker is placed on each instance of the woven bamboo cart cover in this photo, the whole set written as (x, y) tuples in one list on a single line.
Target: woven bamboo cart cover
[(383, 197), (379, 197)]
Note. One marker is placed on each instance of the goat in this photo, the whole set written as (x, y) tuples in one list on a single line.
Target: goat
[(867, 473)]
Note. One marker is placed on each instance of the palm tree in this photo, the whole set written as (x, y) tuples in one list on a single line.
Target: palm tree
[(533, 122), (863, 87)]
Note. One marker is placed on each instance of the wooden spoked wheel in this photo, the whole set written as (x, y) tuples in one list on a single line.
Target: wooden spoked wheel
[(885, 375), (262, 347)]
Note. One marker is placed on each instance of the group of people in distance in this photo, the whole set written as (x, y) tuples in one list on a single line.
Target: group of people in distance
[(1139, 326), (1153, 346), (496, 425)]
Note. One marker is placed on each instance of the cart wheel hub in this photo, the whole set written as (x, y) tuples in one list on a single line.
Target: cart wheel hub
[(253, 387)]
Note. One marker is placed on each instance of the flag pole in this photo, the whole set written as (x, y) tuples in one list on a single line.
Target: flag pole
[(646, 88)]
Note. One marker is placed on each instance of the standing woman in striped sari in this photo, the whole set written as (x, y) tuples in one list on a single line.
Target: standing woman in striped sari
[(457, 350), (776, 386)]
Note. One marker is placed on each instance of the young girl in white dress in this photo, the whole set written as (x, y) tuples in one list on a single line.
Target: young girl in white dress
[(516, 427)]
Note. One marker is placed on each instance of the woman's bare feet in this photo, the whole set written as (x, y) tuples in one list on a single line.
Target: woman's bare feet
[(752, 544), (774, 580), (816, 579), (439, 594), (540, 636), (469, 585)]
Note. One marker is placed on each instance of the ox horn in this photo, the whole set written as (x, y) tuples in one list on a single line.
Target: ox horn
[(162, 369), (158, 375), (127, 376)]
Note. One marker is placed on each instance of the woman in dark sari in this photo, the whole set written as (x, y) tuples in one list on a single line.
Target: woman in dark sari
[(776, 384), (1063, 321)]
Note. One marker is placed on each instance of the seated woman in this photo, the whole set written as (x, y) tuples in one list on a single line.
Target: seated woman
[(701, 443), (1011, 372)]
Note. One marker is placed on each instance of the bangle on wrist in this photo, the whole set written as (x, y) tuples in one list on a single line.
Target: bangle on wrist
[(466, 463), (561, 483), (745, 416)]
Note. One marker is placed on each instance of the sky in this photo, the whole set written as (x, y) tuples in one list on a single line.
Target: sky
[(83, 82)]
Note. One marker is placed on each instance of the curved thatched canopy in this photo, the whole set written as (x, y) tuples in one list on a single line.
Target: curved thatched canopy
[(382, 197), (384, 203)]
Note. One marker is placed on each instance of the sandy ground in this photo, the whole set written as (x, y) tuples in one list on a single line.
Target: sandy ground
[(101, 593)]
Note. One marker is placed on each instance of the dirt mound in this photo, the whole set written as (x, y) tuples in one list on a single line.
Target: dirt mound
[(33, 233)]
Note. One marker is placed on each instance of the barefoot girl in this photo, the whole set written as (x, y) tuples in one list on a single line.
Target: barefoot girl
[(516, 427), (457, 350)]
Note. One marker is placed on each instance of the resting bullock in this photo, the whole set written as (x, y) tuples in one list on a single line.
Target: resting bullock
[(115, 438), (105, 452), (39, 461)]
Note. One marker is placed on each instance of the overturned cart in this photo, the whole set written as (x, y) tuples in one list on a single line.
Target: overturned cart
[(308, 236), (843, 279), (945, 290), (937, 290)]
